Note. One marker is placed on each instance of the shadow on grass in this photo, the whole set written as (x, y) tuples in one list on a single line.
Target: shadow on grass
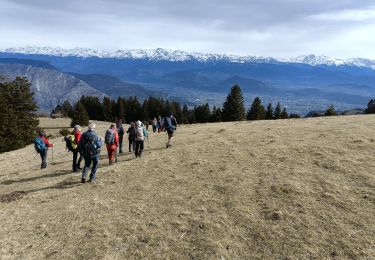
[(66, 184), (55, 174)]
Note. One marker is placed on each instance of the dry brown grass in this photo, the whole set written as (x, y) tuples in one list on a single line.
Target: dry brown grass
[(290, 189)]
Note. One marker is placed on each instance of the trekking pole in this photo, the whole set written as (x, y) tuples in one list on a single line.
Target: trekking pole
[(52, 153)]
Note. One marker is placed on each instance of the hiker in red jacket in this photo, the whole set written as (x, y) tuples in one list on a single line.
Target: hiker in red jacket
[(112, 142), (43, 150), (77, 137)]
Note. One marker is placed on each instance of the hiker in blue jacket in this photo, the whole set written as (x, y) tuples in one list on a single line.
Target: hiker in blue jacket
[(170, 126), (90, 145)]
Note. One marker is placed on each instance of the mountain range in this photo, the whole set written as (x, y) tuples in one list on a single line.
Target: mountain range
[(302, 84)]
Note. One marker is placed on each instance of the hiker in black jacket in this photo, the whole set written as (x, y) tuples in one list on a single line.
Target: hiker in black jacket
[(121, 132), (131, 136)]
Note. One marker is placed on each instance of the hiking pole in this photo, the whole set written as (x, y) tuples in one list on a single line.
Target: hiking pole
[(52, 153)]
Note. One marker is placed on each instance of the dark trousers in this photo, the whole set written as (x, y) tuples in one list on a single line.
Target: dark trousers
[(154, 128), (131, 145), (120, 138), (43, 156), (95, 164), (139, 145), (77, 161)]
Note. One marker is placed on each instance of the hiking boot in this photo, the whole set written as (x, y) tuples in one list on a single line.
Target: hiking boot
[(83, 180), (91, 180)]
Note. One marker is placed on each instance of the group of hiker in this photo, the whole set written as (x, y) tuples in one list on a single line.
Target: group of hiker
[(86, 146)]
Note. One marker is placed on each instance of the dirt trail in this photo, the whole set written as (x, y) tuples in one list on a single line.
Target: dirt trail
[(288, 189)]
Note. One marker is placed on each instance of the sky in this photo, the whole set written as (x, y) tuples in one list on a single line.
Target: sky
[(277, 28)]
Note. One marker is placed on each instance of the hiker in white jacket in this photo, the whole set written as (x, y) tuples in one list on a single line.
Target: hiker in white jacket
[(139, 139)]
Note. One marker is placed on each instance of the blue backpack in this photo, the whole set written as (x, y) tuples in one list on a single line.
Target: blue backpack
[(145, 132), (168, 125), (39, 145)]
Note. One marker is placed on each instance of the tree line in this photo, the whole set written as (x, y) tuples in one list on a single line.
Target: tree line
[(19, 123), (131, 109)]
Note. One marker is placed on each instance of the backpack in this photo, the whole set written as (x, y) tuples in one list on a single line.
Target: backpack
[(90, 146), (139, 134), (39, 145), (145, 132), (120, 129), (109, 137), (70, 143), (168, 125)]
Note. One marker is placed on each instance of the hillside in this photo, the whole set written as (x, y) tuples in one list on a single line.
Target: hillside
[(286, 189), (50, 87)]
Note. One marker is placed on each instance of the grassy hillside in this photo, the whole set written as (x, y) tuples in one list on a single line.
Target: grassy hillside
[(287, 189)]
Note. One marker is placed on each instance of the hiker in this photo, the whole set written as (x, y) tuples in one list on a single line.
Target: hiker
[(131, 136), (41, 144), (139, 139), (90, 145), (170, 126), (72, 141), (77, 137), (121, 132), (160, 125), (147, 124), (112, 142), (154, 124)]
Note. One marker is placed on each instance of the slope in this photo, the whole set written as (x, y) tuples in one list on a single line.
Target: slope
[(293, 189)]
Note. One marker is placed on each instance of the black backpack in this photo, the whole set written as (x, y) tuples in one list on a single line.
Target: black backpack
[(90, 147)]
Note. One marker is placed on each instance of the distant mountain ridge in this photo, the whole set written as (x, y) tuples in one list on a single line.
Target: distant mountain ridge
[(50, 87), (303, 84), (161, 54)]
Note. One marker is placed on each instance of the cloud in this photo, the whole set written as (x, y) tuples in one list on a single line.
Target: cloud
[(260, 27)]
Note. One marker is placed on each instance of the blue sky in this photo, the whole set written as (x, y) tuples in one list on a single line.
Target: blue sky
[(283, 28)]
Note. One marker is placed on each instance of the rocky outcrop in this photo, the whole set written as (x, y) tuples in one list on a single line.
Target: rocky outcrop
[(50, 87)]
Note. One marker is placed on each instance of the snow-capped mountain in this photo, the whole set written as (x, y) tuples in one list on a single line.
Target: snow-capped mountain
[(302, 83), (179, 56)]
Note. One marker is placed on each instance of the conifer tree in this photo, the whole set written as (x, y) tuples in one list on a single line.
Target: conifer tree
[(80, 116), (233, 107), (202, 113), (107, 109), (277, 113), (370, 107), (185, 113), (330, 111), (269, 112), (120, 109), (284, 114), (256, 111), (17, 114)]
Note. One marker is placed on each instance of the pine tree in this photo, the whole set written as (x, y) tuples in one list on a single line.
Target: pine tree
[(233, 107), (370, 107), (330, 111), (284, 114), (269, 112), (120, 110), (67, 109), (107, 109), (17, 114), (185, 115), (80, 116), (277, 113), (202, 113), (256, 111)]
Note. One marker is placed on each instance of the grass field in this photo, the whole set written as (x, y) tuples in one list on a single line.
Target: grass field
[(286, 189)]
